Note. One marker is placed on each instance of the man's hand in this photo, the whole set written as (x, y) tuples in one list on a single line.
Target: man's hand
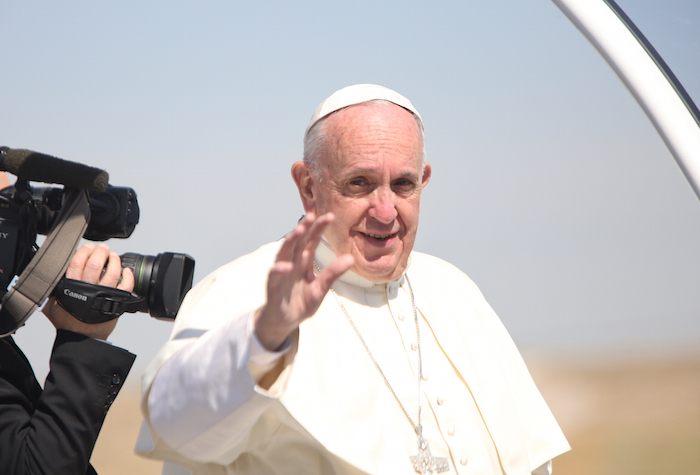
[(294, 292), (87, 265)]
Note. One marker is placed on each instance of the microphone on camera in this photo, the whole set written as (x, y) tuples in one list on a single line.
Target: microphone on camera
[(34, 166)]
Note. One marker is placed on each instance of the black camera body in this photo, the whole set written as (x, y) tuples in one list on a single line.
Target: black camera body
[(26, 212), (161, 282), (114, 213)]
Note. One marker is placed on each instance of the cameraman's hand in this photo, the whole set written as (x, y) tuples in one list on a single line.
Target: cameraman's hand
[(4, 180), (87, 265)]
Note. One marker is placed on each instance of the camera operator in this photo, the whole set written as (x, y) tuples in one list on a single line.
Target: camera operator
[(53, 431)]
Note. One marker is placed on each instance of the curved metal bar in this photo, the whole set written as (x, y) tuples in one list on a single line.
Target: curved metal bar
[(646, 75)]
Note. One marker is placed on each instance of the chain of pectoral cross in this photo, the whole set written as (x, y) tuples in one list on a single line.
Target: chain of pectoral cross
[(423, 462)]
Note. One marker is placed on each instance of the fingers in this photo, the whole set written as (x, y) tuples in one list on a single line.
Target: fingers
[(297, 253), (95, 264), (113, 271), (334, 270), (316, 231), (292, 240), (88, 265), (127, 282), (77, 263), (300, 244), (294, 293)]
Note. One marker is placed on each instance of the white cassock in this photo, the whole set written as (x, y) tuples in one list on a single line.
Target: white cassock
[(321, 406)]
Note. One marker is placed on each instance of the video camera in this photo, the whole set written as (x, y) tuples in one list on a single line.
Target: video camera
[(161, 281)]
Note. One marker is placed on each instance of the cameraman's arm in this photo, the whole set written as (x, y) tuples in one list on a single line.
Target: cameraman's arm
[(54, 430)]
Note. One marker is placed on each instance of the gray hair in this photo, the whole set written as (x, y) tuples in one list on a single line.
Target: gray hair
[(316, 138)]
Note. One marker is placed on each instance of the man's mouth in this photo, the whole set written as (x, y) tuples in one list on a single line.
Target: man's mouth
[(381, 237)]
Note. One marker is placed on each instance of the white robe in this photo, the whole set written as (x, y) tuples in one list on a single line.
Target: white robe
[(327, 410)]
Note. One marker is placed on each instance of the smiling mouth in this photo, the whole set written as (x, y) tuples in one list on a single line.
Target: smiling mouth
[(381, 237)]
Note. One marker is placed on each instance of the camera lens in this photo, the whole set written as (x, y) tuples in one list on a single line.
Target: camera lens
[(142, 268), (163, 280)]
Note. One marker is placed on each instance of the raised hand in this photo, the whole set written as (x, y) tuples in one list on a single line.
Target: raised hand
[(294, 291)]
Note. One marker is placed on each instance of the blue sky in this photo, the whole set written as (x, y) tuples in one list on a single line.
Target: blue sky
[(550, 187)]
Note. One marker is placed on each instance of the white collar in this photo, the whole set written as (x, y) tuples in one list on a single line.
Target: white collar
[(325, 255)]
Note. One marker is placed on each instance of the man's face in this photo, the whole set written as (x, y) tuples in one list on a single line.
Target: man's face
[(371, 180)]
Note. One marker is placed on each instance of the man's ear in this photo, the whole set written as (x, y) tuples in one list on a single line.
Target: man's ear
[(305, 184), (427, 171)]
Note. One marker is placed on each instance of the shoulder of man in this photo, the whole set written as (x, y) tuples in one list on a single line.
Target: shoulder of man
[(242, 269), (425, 264), (438, 280), (231, 290), (258, 261)]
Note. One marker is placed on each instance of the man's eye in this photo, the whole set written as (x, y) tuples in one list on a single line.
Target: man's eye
[(404, 186), (358, 182)]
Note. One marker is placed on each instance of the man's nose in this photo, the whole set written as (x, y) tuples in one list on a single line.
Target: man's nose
[(383, 206)]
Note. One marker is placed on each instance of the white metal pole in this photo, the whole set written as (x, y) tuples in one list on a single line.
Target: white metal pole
[(646, 76)]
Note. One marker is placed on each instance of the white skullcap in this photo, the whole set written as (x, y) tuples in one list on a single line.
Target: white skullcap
[(357, 94)]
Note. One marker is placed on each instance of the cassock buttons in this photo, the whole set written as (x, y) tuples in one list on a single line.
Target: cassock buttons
[(464, 460), (401, 316), (414, 347), (116, 379), (440, 401), (451, 431)]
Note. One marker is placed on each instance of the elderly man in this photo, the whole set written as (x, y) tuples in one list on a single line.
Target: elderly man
[(340, 350)]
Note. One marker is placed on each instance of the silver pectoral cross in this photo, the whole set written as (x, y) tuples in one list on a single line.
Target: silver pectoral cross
[(424, 462)]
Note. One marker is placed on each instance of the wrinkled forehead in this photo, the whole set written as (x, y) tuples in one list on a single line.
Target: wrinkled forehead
[(371, 136), (375, 122), (359, 94)]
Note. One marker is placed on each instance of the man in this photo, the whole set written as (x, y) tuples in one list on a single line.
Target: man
[(339, 350), (54, 429)]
